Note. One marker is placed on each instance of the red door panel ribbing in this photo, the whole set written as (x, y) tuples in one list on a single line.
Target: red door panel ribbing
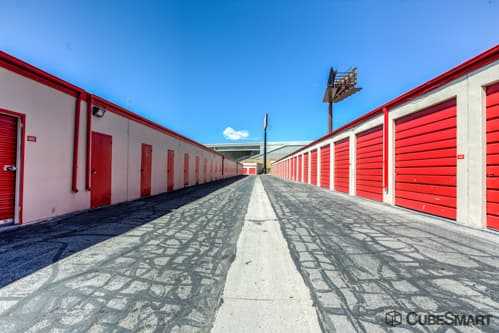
[(101, 170), (305, 168), (492, 105), (342, 165), (170, 171), (8, 157), (313, 167), (325, 163), (145, 170), (425, 160), (369, 166), (300, 168)]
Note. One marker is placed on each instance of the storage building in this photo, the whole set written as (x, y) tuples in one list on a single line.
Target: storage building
[(434, 149), (63, 149)]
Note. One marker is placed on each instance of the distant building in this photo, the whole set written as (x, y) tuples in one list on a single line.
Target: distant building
[(253, 151), (251, 168)]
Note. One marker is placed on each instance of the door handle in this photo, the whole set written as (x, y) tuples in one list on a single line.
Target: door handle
[(9, 168)]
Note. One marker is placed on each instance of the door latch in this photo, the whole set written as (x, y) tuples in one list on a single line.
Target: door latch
[(9, 168)]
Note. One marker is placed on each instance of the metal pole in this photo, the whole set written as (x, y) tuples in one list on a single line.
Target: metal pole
[(265, 151), (330, 118), (265, 125)]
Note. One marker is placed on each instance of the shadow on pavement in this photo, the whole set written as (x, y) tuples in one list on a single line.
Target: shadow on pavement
[(30, 248)]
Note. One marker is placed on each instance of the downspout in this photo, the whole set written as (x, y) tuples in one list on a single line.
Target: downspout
[(88, 185), (385, 149), (23, 159), (76, 138)]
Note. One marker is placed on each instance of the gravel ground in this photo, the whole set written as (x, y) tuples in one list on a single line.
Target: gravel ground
[(153, 265), (362, 262)]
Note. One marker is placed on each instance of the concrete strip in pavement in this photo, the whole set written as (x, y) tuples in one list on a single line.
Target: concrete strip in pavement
[(264, 291)]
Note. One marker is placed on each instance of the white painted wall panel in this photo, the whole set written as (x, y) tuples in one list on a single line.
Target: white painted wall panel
[(48, 164)]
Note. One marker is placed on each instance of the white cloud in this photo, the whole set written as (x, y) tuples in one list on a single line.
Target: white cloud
[(232, 134)]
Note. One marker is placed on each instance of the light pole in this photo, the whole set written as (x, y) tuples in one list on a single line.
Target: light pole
[(265, 125)]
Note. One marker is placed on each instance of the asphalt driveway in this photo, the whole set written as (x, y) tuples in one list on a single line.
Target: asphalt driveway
[(362, 263), (153, 265)]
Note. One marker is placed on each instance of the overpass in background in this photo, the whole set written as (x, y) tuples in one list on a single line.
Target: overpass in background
[(254, 150)]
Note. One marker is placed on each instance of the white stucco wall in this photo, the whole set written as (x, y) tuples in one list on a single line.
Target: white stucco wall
[(48, 161)]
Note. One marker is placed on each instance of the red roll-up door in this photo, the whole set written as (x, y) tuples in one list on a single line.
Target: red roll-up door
[(292, 168), (493, 156), (305, 168), (369, 166), (170, 171), (205, 170), (145, 170), (300, 168), (342, 165), (295, 171), (186, 169), (252, 171), (313, 167), (325, 165), (425, 160), (296, 168), (197, 170), (102, 150), (8, 157)]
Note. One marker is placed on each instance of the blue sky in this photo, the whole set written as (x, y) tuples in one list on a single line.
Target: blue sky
[(199, 67)]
